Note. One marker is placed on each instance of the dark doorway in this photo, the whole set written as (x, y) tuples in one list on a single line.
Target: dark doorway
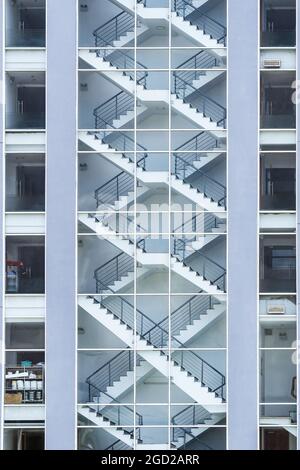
[(283, 19), (32, 279), (31, 187), (31, 106), (32, 440), (276, 439), (33, 18), (280, 188)]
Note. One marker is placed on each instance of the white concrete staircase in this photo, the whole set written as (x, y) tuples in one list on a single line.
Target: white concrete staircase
[(200, 325), (158, 16), (97, 419), (149, 178), (207, 77), (128, 38), (196, 432), (160, 361), (206, 239), (151, 97), (193, 194), (146, 260)]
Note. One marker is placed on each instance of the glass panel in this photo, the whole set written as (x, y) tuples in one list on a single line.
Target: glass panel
[(25, 336), (25, 265)]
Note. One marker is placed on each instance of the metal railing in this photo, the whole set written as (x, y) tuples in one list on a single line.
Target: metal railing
[(203, 104), (199, 223), (157, 336), (112, 190), (211, 188), (188, 437), (118, 445), (112, 109), (190, 416), (112, 271), (210, 270), (111, 31), (193, 67), (203, 141), (208, 25), (128, 64), (111, 372)]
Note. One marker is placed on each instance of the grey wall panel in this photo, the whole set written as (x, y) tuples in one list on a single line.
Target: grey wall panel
[(242, 230), (61, 216)]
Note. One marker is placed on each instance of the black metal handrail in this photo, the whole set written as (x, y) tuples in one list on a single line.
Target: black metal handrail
[(112, 271), (158, 337), (191, 415), (203, 141), (118, 445), (208, 25), (199, 223), (204, 104), (112, 109), (116, 413), (196, 148), (184, 433), (120, 142), (210, 187), (194, 67), (112, 190), (210, 270), (130, 67), (113, 29)]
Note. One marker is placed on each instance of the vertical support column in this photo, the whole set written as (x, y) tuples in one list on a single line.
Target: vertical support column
[(298, 209), (242, 227), (2, 268), (60, 226)]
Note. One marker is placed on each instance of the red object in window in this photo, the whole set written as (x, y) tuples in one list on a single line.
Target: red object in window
[(18, 264)]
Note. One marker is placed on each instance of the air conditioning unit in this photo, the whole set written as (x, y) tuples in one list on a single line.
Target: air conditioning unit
[(272, 63), (276, 309)]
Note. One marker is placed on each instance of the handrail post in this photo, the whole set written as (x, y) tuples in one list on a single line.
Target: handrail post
[(194, 414), (119, 416)]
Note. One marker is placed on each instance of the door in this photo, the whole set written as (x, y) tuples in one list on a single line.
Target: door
[(32, 26), (280, 186), (31, 187), (33, 278), (276, 439), (31, 106), (281, 20), (32, 18), (32, 440)]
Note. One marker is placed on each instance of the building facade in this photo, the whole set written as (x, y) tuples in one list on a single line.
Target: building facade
[(149, 224)]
